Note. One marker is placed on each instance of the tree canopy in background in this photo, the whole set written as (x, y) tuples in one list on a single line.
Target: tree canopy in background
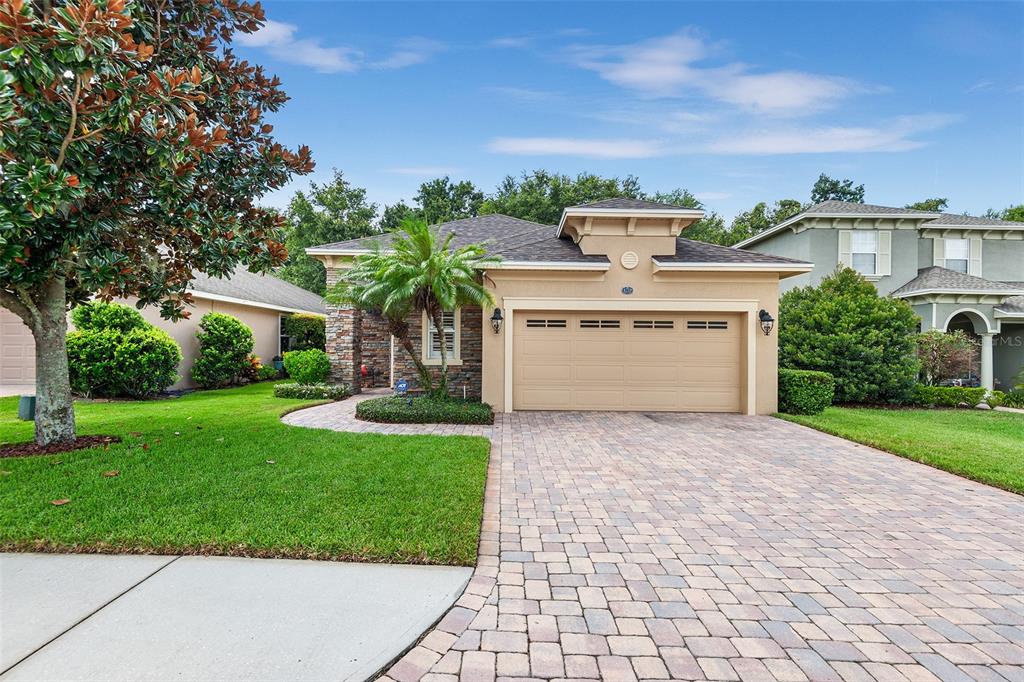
[(827, 188), (134, 148), (936, 205), (540, 196), (1015, 213), (333, 212)]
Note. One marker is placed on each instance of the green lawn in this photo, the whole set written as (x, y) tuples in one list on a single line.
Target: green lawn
[(205, 485), (984, 446)]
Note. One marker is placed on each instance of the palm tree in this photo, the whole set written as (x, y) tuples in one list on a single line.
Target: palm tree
[(417, 272)]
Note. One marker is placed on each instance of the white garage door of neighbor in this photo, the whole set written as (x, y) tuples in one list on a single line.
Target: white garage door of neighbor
[(17, 350), (685, 362)]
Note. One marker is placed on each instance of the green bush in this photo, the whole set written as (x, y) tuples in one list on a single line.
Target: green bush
[(305, 332), (225, 344), (307, 366), (312, 391), (803, 391), (995, 398), (1014, 398), (131, 358), (424, 410), (947, 396), (267, 373), (113, 316), (843, 327)]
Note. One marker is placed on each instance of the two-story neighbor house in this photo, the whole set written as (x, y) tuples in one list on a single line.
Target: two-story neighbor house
[(956, 271)]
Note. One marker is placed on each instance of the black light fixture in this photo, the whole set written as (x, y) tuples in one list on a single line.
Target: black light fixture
[(496, 320), (767, 321)]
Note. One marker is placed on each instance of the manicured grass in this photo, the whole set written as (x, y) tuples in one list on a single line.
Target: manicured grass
[(206, 484), (984, 446)]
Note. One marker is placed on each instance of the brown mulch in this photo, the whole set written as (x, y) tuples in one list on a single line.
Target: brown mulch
[(31, 449)]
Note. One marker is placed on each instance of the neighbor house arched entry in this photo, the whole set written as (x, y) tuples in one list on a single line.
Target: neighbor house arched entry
[(977, 326)]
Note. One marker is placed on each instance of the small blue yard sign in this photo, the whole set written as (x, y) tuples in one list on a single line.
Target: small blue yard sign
[(401, 386)]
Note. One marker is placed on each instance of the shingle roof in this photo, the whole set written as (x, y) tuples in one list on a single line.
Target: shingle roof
[(934, 277), (690, 251), (954, 220), (832, 206), (1014, 304), (632, 204), (521, 240), (261, 289)]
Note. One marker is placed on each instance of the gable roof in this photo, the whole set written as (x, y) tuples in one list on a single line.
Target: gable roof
[(938, 279), (1013, 306), (521, 242), (849, 209), (261, 291)]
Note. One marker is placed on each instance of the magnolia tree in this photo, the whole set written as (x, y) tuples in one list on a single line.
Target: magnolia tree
[(133, 145)]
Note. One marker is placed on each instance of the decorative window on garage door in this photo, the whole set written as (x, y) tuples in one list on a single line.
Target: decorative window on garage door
[(600, 324), (707, 324), (541, 324), (653, 324)]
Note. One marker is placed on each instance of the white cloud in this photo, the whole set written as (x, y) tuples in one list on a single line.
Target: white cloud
[(569, 146), (676, 65), (511, 42), (280, 40), (425, 171), (409, 52), (895, 136), (981, 85)]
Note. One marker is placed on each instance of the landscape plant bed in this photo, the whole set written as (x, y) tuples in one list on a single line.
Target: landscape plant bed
[(217, 472), (33, 449), (424, 410), (983, 445)]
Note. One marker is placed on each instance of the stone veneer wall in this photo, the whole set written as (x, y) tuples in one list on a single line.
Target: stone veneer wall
[(468, 374), (376, 351), (344, 340)]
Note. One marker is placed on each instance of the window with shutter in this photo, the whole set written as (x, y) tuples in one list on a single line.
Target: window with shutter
[(957, 254), (450, 323), (864, 251)]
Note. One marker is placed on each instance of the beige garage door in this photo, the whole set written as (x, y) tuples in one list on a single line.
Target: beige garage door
[(619, 361), (17, 350)]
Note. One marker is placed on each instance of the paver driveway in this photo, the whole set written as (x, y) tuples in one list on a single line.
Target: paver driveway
[(622, 546)]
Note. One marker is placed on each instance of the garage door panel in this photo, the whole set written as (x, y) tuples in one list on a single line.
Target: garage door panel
[(17, 350), (649, 362)]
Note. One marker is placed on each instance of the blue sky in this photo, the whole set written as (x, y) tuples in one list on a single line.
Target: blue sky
[(737, 102)]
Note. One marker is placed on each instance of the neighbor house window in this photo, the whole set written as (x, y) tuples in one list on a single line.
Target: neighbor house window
[(450, 323), (283, 339), (958, 254), (864, 251)]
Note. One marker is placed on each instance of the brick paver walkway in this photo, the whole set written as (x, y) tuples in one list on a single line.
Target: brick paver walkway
[(628, 546)]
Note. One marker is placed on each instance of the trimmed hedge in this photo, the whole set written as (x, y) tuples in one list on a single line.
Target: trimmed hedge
[(423, 410), (804, 391), (267, 372), (307, 366), (947, 396), (113, 352), (225, 344), (312, 391), (305, 332)]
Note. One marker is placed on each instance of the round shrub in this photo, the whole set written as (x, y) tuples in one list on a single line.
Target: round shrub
[(312, 391), (131, 358), (307, 366), (267, 373), (305, 332), (843, 327), (803, 391), (225, 344), (100, 315)]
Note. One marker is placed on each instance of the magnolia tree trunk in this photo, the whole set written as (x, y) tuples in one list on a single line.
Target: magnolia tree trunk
[(55, 414)]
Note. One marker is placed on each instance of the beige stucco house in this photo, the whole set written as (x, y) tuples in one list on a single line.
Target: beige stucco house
[(260, 301), (609, 310)]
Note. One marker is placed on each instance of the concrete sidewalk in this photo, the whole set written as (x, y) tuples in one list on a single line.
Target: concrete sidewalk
[(89, 617)]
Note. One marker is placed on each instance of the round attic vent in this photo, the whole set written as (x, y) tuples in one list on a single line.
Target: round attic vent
[(629, 260)]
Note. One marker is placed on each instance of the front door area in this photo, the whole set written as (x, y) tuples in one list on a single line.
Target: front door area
[(679, 362)]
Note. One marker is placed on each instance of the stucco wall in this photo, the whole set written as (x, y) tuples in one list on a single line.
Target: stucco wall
[(1002, 260), (1008, 355), (758, 290)]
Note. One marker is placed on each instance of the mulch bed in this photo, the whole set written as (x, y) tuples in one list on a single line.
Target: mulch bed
[(31, 449)]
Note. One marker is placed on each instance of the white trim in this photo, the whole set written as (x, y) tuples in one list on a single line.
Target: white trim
[(253, 304), (319, 251), (750, 307), (959, 292), (945, 325), (583, 211), (1000, 313), (805, 216), (733, 267), (973, 226), (546, 265)]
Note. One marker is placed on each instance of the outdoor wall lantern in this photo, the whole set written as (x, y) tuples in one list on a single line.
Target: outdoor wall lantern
[(767, 321), (496, 320)]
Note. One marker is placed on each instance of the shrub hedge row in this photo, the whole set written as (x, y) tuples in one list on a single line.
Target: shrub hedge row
[(803, 391), (422, 410), (947, 396), (312, 391)]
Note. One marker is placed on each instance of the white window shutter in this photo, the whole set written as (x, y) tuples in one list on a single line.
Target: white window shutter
[(939, 252), (974, 264), (884, 253), (845, 249)]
